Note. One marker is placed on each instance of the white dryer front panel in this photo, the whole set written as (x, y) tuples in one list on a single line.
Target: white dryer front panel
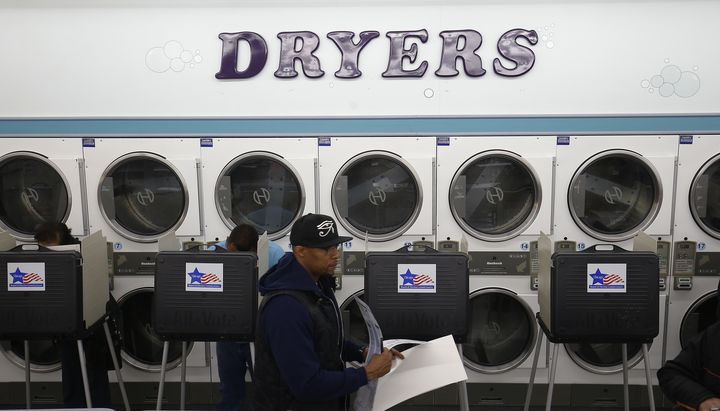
[(696, 251), (41, 181), (265, 182), (139, 190), (379, 188), (495, 192), (609, 188)]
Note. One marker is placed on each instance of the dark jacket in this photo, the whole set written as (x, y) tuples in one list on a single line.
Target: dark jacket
[(694, 375), (300, 347)]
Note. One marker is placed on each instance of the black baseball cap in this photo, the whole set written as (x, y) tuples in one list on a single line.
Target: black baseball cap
[(316, 231)]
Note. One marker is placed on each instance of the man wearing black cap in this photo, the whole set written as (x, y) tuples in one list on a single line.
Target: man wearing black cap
[(299, 346), (692, 379)]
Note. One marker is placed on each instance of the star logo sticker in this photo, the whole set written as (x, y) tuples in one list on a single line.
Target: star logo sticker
[(195, 276), (408, 277), (17, 276), (597, 277)]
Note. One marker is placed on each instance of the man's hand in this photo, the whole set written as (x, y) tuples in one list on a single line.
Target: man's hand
[(380, 363), (710, 404), (395, 353)]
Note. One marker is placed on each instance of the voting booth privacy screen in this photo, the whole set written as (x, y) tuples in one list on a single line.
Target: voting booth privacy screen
[(42, 294), (604, 296), (205, 296), (418, 295)]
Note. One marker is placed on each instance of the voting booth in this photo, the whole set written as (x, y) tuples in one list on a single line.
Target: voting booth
[(57, 292), (605, 294), (418, 295), (53, 293), (203, 296)]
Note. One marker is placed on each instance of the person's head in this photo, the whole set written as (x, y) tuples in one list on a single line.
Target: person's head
[(315, 242), (242, 238), (54, 233)]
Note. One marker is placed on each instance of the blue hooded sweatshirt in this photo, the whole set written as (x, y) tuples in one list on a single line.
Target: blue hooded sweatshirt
[(288, 328)]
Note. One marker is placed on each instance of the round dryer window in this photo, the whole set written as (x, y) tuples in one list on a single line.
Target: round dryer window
[(354, 326), (44, 354), (614, 195), (502, 331), (378, 194), (495, 195), (705, 197), (702, 314), (142, 347), (603, 358), (33, 191), (260, 189), (142, 196)]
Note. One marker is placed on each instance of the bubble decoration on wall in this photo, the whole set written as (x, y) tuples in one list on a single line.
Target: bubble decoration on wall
[(172, 56), (545, 34), (672, 80)]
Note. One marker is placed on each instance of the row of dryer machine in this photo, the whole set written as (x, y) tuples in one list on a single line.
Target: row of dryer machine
[(491, 196)]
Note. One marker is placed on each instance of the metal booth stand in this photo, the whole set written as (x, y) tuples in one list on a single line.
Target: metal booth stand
[(420, 295), (581, 303), (56, 293), (203, 296)]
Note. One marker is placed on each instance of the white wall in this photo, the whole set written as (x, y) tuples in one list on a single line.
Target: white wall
[(82, 60)]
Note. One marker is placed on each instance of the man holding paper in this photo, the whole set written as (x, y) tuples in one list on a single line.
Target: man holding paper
[(300, 347)]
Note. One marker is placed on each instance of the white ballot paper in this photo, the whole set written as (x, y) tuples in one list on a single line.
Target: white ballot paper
[(366, 393), (426, 367)]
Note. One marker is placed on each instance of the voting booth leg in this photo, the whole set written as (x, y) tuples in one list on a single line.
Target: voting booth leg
[(183, 365), (83, 371), (651, 398), (28, 401), (533, 371), (116, 364), (626, 388), (462, 388), (553, 368), (166, 347)]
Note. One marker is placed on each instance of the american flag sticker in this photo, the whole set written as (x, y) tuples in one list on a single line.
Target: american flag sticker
[(26, 276), (206, 277), (607, 278), (417, 278)]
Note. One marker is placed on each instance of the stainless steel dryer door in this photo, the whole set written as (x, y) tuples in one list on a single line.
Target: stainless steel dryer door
[(142, 347), (701, 314), (502, 333), (354, 326), (603, 358), (261, 189), (614, 195), (142, 196), (44, 354), (32, 191), (377, 194), (495, 195), (705, 197)]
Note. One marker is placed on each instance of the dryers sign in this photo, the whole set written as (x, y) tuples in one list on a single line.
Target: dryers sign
[(607, 278), (204, 277), (513, 45), (417, 278), (26, 276)]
